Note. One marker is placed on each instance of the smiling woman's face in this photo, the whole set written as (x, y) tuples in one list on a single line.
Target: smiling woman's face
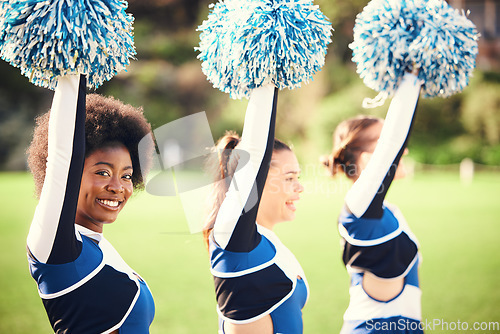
[(105, 188), (281, 191)]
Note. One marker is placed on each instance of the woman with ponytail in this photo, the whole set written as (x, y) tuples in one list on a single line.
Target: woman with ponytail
[(351, 139), (402, 49), (380, 252), (260, 286), (253, 49)]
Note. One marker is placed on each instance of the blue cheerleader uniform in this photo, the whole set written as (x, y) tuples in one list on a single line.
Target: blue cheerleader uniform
[(85, 285), (376, 237), (254, 273)]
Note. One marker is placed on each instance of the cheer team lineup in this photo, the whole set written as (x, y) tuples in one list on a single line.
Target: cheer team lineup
[(87, 161)]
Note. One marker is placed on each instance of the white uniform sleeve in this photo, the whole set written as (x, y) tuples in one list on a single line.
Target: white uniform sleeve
[(392, 138), (258, 134), (53, 209)]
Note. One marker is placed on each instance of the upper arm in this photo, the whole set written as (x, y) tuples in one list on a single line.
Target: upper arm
[(235, 227), (384, 247), (52, 237), (367, 194)]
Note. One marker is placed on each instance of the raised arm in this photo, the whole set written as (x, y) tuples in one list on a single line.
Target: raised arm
[(235, 226), (366, 196), (52, 237)]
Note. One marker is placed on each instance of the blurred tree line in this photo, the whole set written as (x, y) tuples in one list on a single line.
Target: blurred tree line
[(166, 80)]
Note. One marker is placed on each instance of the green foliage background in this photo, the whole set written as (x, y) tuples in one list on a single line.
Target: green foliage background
[(166, 80)]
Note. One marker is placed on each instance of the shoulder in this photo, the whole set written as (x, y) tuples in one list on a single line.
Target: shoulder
[(369, 231)]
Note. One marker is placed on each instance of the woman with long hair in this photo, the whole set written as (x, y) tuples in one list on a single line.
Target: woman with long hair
[(260, 286)]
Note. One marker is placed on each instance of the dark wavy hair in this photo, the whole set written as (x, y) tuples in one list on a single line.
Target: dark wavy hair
[(349, 141), (222, 166), (108, 122)]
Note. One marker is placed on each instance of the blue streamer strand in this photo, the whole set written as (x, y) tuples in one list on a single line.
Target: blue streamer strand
[(428, 36), (50, 38), (245, 44)]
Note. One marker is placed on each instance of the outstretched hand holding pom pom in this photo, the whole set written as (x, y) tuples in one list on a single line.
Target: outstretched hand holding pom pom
[(49, 39), (393, 37), (246, 44), (252, 49)]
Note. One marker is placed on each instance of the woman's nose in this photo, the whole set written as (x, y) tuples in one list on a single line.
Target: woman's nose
[(299, 187), (114, 185)]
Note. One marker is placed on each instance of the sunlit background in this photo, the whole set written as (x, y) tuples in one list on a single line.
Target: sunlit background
[(456, 219)]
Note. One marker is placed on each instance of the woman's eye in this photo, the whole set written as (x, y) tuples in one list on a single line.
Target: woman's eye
[(127, 176), (103, 173)]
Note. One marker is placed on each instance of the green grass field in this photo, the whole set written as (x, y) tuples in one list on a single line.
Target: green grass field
[(458, 227)]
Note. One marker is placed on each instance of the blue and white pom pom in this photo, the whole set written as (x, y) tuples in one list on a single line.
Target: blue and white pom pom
[(445, 50), (246, 44), (392, 37), (51, 38)]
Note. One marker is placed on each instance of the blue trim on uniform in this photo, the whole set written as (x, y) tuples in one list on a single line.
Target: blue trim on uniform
[(287, 318), (412, 277), (224, 261), (357, 279), (52, 278), (221, 325), (141, 316), (365, 229)]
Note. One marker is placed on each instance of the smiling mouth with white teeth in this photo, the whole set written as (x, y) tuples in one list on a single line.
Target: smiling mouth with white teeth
[(291, 205), (110, 203)]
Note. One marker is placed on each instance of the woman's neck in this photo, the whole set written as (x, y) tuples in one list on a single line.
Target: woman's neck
[(266, 224)]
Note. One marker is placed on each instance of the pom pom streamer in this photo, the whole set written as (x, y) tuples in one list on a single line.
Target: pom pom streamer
[(392, 37), (51, 38), (246, 44)]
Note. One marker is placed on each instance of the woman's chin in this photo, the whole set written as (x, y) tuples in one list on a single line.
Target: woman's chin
[(290, 216)]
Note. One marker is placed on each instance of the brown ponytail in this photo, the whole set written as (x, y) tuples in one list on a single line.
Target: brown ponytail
[(349, 141), (219, 165)]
